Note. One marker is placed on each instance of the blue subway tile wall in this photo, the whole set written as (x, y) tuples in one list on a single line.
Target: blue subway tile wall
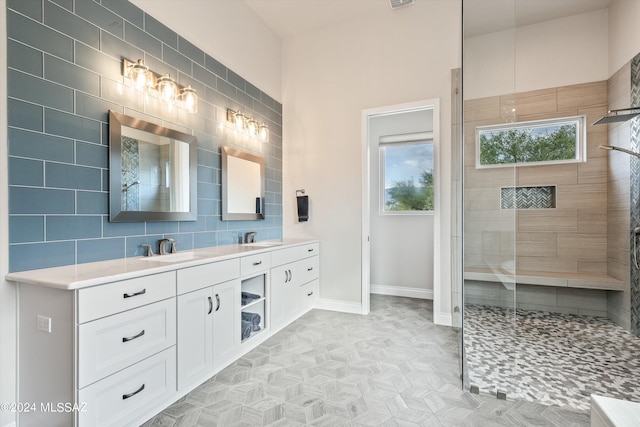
[(64, 61)]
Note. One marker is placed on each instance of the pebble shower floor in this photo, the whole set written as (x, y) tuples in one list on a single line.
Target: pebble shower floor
[(550, 358)]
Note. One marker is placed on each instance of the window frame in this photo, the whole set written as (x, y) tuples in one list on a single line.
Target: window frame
[(382, 174), (580, 122)]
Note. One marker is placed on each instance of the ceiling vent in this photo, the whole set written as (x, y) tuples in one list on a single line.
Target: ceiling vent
[(395, 4)]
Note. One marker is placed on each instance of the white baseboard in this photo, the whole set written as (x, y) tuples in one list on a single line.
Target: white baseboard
[(11, 424), (336, 305), (402, 291)]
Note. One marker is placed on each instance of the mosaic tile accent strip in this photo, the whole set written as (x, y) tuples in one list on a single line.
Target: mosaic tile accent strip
[(551, 358), (635, 194), (528, 197)]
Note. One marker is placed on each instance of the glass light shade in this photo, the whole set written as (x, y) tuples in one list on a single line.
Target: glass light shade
[(190, 98), (263, 133), (167, 88), (140, 75), (252, 127), (239, 121)]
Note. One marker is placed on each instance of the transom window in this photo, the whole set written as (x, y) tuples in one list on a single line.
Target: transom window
[(531, 143)]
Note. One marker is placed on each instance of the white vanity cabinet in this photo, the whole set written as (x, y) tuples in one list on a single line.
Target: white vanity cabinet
[(206, 320), (117, 341), (293, 282), (107, 351)]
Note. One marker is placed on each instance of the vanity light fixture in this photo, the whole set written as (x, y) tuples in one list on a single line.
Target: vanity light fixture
[(139, 73), (252, 127), (263, 133), (247, 126), (190, 98), (168, 90)]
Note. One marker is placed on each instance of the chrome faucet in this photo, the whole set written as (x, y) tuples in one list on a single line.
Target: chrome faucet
[(163, 246), (147, 249), (250, 237)]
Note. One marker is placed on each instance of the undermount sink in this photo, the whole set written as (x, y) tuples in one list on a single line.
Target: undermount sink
[(263, 244), (185, 256)]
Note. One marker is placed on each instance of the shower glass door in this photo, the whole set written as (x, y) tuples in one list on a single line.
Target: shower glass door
[(490, 197)]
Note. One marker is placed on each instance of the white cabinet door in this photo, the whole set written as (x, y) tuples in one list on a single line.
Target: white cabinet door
[(195, 337), (284, 297), (226, 323), (279, 285)]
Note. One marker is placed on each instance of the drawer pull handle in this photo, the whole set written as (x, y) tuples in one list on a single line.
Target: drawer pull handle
[(310, 250), (135, 294), (210, 305), (310, 268), (217, 302), (257, 263), (288, 276), (309, 294), (126, 396), (127, 339)]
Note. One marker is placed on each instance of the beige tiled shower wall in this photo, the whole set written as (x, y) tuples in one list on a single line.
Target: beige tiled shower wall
[(618, 201), (570, 238)]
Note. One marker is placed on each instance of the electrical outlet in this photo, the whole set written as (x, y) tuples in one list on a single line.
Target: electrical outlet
[(43, 324)]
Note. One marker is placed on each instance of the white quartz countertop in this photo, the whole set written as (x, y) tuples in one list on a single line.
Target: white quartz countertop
[(79, 276)]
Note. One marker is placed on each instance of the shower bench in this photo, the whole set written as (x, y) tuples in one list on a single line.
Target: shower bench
[(543, 278)]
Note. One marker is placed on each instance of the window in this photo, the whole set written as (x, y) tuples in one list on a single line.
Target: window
[(531, 143), (406, 176)]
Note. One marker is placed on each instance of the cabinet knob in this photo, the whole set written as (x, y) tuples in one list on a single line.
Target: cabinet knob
[(309, 294), (310, 269), (310, 250)]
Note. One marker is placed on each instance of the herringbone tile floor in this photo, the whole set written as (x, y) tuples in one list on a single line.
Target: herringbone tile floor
[(393, 367)]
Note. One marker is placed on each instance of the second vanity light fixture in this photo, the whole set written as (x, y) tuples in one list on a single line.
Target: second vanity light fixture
[(247, 125), (168, 89)]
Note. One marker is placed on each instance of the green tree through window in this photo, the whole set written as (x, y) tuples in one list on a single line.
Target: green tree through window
[(407, 179), (530, 143)]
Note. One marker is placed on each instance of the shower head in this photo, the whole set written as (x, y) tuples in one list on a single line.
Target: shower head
[(611, 147), (615, 117)]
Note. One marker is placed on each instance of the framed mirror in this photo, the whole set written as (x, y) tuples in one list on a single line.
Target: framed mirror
[(152, 172), (243, 185)]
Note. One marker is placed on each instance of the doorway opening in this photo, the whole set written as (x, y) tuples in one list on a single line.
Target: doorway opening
[(400, 201)]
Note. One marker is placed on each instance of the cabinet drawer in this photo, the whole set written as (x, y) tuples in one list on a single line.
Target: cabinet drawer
[(201, 276), (255, 263), (117, 400), (285, 256), (112, 343), (104, 300), (308, 269), (308, 294), (309, 249)]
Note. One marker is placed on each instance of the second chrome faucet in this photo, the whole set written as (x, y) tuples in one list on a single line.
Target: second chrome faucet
[(163, 246)]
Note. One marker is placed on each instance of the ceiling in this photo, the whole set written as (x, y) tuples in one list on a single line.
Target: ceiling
[(289, 18)]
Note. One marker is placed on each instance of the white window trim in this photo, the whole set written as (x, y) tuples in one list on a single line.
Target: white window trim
[(403, 139), (581, 140)]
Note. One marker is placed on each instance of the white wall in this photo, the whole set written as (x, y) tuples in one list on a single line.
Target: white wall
[(554, 53), (219, 28), (329, 78), (401, 245), (624, 33)]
